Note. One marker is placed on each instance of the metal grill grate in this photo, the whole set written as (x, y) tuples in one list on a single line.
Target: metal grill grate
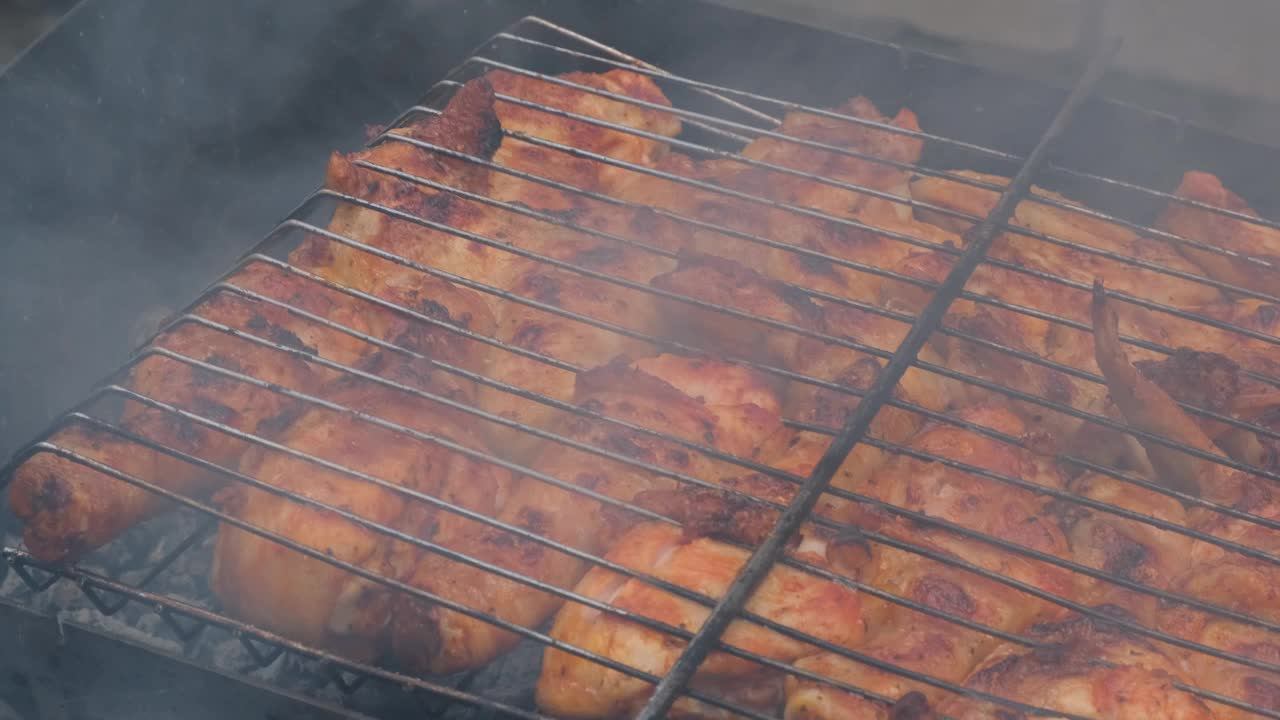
[(536, 43)]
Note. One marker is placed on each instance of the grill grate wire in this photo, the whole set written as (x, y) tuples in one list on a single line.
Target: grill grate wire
[(704, 640)]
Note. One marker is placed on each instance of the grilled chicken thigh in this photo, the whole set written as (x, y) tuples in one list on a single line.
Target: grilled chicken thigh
[(923, 643), (1248, 240), (489, 247), (310, 599), (70, 509), (573, 686), (1084, 668), (726, 407)]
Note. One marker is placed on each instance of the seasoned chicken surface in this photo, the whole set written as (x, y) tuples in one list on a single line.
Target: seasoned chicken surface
[(923, 643), (502, 252), (911, 640), (70, 509), (1063, 224), (571, 686), (1209, 572), (1085, 668), (282, 589), (1123, 547), (1250, 241), (726, 407)]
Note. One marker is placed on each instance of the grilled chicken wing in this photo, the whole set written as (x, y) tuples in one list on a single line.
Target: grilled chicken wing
[(1123, 547), (1246, 239), (71, 509), (736, 205), (727, 407), (433, 223), (923, 643), (1085, 668), (572, 686), (312, 600), (1076, 227)]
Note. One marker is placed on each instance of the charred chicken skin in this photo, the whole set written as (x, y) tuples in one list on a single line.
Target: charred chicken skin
[(726, 407)]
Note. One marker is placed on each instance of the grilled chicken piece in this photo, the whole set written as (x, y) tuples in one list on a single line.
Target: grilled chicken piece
[(1216, 383), (966, 498), (862, 139), (1239, 236), (1231, 679), (70, 509), (558, 128), (1210, 573), (1085, 668), (1147, 406), (1000, 332), (309, 599), (571, 686), (1059, 343), (914, 641), (1072, 226), (726, 407), (923, 643), (723, 215), (1126, 548), (481, 243)]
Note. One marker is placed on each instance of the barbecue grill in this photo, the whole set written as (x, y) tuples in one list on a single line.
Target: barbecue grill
[(1109, 155)]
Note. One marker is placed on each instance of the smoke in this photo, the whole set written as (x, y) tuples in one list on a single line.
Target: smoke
[(148, 144)]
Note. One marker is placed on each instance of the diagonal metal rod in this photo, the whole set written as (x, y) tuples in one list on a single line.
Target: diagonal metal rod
[(762, 560)]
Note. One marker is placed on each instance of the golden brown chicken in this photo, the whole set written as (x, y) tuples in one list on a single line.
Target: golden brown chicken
[(309, 599), (1246, 239), (1225, 677), (914, 641), (482, 243), (762, 201), (863, 139), (1084, 668), (726, 407), (919, 642), (1059, 343), (800, 348), (571, 686), (1072, 263), (70, 509), (1209, 573), (1126, 548)]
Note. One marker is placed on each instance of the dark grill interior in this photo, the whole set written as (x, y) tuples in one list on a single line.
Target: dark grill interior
[(153, 577)]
